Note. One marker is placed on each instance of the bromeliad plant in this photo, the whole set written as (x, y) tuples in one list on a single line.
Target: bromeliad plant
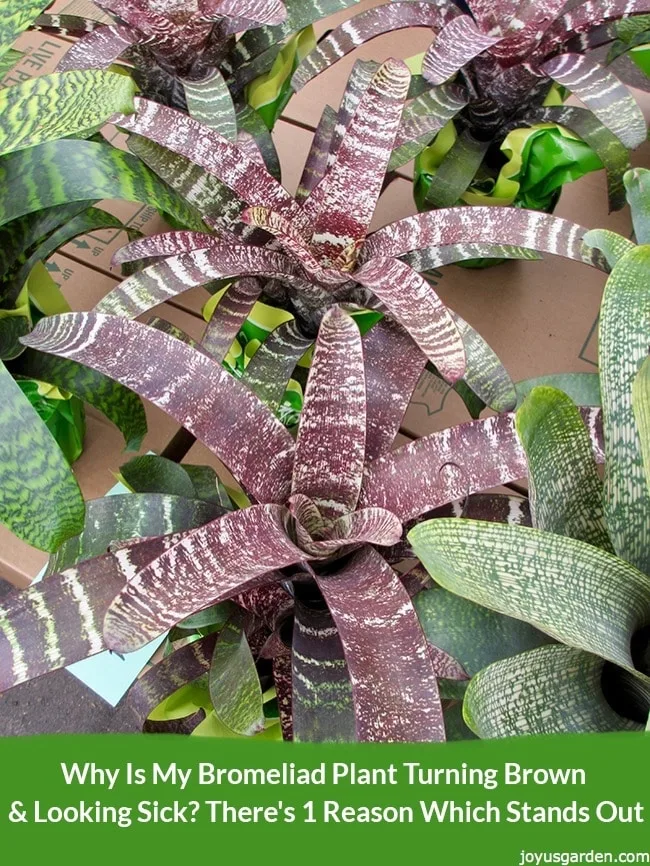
[(324, 509), (185, 54), (498, 70), (321, 251), (582, 574)]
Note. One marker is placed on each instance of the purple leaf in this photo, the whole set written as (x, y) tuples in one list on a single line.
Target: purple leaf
[(270, 603), (357, 84), (201, 395), (228, 317), (167, 676), (163, 244), (486, 225), (603, 93), (59, 621), (394, 685), (282, 678), (340, 208), (458, 43), (322, 693), (517, 45), (206, 566), (330, 448), (494, 17), (454, 463), (256, 11), (164, 280), (366, 26), (587, 16), (416, 306), (209, 150), (99, 49), (393, 365)]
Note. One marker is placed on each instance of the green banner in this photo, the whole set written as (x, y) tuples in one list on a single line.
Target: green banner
[(533, 800)]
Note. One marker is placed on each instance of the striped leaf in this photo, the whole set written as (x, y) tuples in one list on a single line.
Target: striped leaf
[(162, 680), (270, 368), (99, 48), (229, 316), (330, 449), (602, 93), (550, 690), (637, 187), (365, 26), (471, 634), (60, 172), (423, 118), (412, 302), (623, 346), (218, 560), (572, 591), (117, 403), (341, 207), (394, 686), (432, 258), (165, 280), (59, 621), (459, 42), (162, 245), (137, 515), (322, 692), (40, 500), (59, 105), (209, 101), (188, 385), (317, 159), (484, 373), (210, 151), (234, 685), (566, 493), (456, 171), (484, 225)]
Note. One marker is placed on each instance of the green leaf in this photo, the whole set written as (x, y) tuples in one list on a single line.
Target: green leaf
[(582, 388), (215, 616), (637, 187), (61, 104), (550, 690), (64, 171), (612, 245), (641, 406), (63, 415), (8, 60), (566, 493), (210, 102), (623, 346), (153, 474), (40, 500), (16, 17), (470, 633), (234, 684), (570, 590), (120, 405)]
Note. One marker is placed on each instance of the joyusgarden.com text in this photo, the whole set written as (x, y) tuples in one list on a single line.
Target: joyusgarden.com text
[(302, 796)]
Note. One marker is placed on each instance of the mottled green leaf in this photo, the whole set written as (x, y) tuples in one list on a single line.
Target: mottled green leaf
[(637, 187), (210, 102), (120, 405), (470, 633), (566, 493), (582, 388), (612, 245), (61, 104), (16, 17), (550, 690), (641, 406), (622, 348), (150, 473), (572, 591), (234, 684), (64, 171), (40, 500)]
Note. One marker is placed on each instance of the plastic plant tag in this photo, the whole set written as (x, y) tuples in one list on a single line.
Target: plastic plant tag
[(109, 674)]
